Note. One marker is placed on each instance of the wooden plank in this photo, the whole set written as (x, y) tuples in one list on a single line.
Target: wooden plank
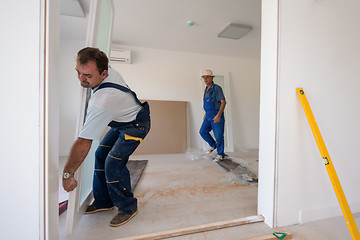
[(197, 229), (228, 164), (238, 170), (269, 237)]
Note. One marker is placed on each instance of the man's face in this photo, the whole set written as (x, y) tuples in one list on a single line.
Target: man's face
[(89, 75), (208, 80)]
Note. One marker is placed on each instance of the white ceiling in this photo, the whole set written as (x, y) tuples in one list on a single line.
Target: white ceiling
[(161, 24)]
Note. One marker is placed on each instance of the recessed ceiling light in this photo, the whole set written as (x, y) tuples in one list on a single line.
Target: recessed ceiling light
[(234, 31)]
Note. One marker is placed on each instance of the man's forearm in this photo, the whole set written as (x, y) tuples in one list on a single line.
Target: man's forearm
[(222, 107), (78, 153)]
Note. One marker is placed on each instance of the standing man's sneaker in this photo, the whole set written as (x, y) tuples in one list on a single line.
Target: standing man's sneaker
[(92, 209), (122, 218), (219, 158), (210, 150)]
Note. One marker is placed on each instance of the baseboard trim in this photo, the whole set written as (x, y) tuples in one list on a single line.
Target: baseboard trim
[(314, 214)]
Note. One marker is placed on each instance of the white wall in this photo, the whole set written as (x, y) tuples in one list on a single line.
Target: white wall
[(168, 75), (20, 120), (70, 90), (319, 51)]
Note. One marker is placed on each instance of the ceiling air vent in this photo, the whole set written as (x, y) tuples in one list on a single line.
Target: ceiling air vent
[(234, 31)]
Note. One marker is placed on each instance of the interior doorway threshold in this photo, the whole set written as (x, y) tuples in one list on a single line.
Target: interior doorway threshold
[(196, 229)]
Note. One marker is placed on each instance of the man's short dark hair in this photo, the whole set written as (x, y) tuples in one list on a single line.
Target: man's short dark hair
[(88, 54)]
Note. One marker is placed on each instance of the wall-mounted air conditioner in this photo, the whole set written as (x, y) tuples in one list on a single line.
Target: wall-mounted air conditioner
[(120, 55)]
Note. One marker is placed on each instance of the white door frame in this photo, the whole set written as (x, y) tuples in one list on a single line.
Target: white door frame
[(49, 119), (267, 201), (269, 102)]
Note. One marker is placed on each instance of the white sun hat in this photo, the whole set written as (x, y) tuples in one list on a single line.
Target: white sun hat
[(208, 72)]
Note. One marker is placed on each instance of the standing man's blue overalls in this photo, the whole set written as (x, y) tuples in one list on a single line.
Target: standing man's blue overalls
[(214, 104)]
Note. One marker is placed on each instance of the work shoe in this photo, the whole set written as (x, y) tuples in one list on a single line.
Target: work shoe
[(210, 150), (122, 218), (92, 209), (219, 158)]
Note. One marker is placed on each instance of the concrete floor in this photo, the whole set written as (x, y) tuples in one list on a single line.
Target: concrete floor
[(183, 190)]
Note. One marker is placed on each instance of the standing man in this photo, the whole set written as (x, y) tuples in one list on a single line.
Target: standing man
[(214, 104), (112, 104)]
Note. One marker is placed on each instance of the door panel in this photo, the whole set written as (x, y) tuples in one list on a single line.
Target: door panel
[(99, 31)]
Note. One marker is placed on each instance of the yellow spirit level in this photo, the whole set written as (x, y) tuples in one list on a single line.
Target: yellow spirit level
[(329, 166)]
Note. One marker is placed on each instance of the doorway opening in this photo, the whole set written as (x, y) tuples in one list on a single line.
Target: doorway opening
[(243, 155)]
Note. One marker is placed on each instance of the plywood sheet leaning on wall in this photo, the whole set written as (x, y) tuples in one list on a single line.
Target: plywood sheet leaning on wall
[(168, 133)]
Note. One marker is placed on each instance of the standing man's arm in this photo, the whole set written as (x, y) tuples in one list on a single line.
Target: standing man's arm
[(221, 110), (78, 153)]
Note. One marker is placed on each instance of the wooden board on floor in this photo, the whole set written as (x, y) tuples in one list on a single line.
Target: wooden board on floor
[(136, 168), (228, 164), (269, 237), (196, 229), (238, 170)]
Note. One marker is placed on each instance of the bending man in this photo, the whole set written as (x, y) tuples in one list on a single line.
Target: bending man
[(111, 104)]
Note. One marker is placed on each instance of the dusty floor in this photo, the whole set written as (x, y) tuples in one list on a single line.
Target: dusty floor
[(184, 190), (175, 191)]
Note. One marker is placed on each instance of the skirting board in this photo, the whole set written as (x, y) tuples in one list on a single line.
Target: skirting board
[(196, 229), (314, 214)]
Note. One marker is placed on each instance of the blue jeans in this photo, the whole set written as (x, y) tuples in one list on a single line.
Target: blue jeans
[(218, 130), (111, 184)]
